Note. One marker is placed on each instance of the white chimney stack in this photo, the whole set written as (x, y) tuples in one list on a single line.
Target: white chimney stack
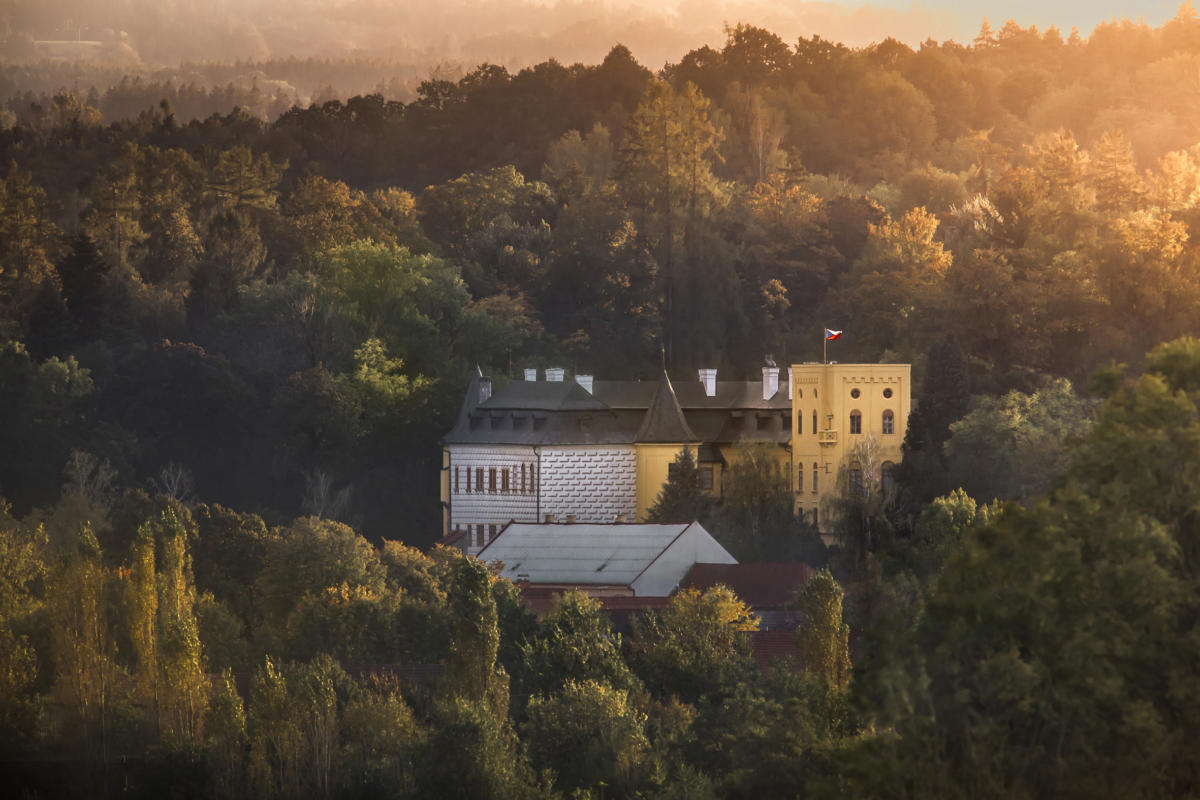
[(485, 389), (585, 381), (531, 374), (709, 378), (789, 377), (555, 374), (770, 382)]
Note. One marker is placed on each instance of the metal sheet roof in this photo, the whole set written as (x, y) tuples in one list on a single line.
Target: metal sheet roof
[(579, 553)]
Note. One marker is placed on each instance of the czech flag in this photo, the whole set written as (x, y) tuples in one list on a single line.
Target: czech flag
[(832, 335)]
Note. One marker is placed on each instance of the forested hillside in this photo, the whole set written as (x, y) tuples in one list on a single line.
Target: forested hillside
[(277, 312)]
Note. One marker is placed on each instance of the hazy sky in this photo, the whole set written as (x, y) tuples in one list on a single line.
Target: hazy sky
[(517, 32)]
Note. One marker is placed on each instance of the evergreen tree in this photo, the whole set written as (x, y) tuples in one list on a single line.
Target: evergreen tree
[(682, 498)]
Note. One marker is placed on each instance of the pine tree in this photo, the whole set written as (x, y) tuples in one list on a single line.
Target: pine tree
[(682, 498)]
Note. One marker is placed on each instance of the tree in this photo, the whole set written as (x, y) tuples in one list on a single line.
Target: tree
[(682, 499), (472, 673), (183, 695), (575, 641), (697, 647), (589, 735), (666, 176), (823, 637), (1012, 447)]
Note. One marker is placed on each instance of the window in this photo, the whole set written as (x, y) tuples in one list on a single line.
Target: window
[(799, 394), (764, 423), (479, 535), (532, 479), (889, 422), (855, 422), (887, 392), (854, 393), (814, 489), (814, 422), (523, 479), (799, 422), (706, 478), (504, 481), (492, 480), (479, 479), (457, 477), (491, 532), (886, 477), (800, 479), (855, 476)]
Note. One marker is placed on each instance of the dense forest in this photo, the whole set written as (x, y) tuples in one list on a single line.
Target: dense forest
[(230, 341)]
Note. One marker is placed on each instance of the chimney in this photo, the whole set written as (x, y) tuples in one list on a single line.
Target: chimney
[(585, 381), (770, 382), (709, 378), (531, 374), (554, 374), (485, 389), (789, 379)]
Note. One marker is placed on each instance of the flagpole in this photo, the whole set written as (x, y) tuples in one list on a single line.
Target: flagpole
[(824, 345)]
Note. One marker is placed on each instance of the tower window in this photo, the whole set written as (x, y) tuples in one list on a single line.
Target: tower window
[(854, 393), (814, 488), (889, 422), (855, 422), (887, 392)]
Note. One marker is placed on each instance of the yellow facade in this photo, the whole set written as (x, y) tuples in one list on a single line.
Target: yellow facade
[(826, 398), (653, 462)]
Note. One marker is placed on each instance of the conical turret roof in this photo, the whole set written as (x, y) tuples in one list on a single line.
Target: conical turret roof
[(664, 421)]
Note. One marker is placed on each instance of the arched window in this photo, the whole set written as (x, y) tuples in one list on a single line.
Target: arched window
[(814, 422), (814, 489), (800, 479), (887, 478), (855, 422), (799, 422), (855, 476), (889, 422)]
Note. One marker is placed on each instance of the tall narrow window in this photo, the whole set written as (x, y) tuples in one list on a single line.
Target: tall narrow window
[(799, 423), (855, 422), (491, 532), (814, 489), (479, 535), (457, 475), (504, 481), (522, 479), (889, 422), (468, 471), (814, 422), (479, 479), (887, 478), (492, 480), (532, 479), (800, 479)]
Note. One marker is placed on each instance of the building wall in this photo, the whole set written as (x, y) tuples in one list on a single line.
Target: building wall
[(695, 545), (653, 463), (827, 390), (596, 483), (472, 505)]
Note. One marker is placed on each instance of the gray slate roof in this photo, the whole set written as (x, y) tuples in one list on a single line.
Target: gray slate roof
[(579, 553), (621, 412)]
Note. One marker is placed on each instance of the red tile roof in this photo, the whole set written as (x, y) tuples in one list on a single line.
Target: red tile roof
[(775, 646), (759, 585)]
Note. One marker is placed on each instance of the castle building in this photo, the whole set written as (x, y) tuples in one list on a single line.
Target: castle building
[(845, 415), (590, 451)]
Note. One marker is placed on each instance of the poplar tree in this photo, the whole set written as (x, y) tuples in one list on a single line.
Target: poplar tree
[(823, 637), (184, 686)]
